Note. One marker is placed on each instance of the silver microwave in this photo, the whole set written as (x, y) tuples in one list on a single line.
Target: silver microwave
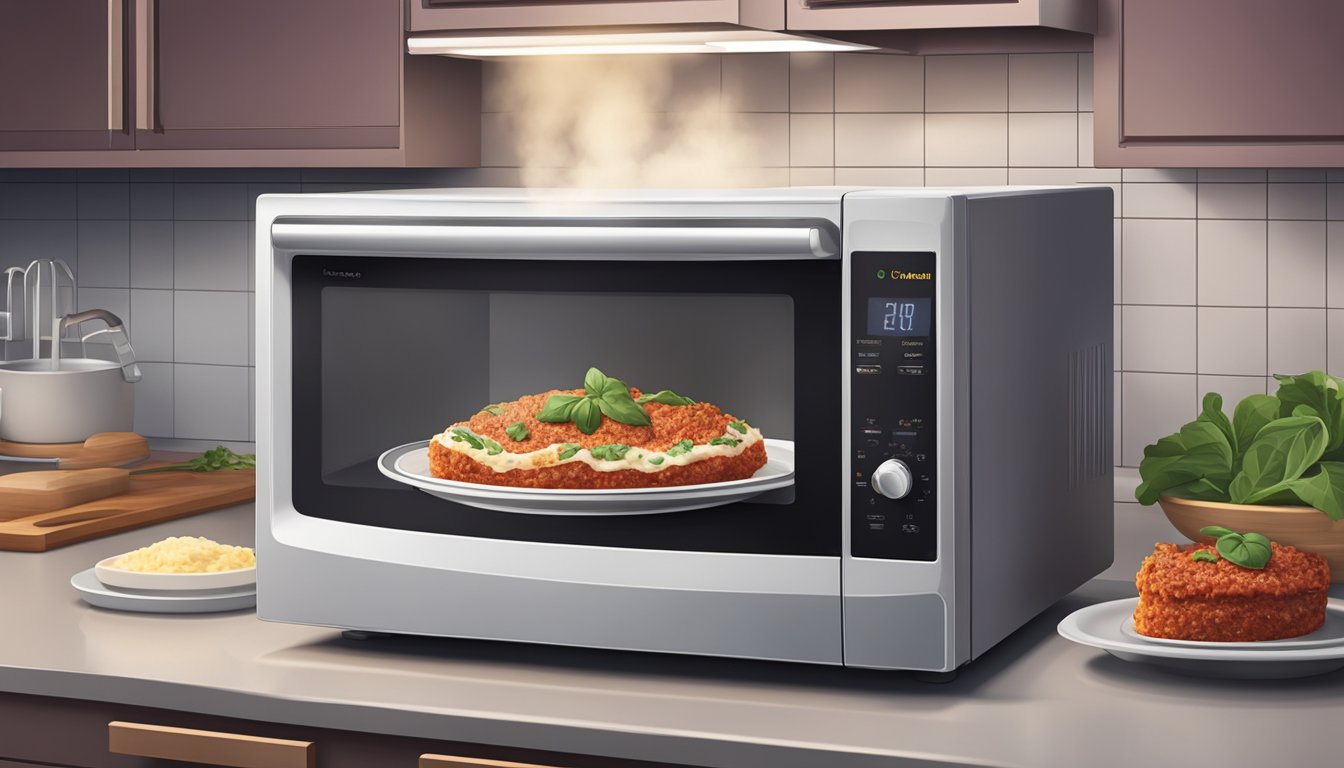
[(928, 371)]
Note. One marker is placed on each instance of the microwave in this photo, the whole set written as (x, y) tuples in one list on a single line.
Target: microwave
[(929, 372)]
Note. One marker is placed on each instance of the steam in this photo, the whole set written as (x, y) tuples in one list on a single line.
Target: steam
[(624, 121)]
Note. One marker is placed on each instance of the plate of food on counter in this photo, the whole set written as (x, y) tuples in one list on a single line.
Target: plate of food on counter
[(606, 448), (180, 574)]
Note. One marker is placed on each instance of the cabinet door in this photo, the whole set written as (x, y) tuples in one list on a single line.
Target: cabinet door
[(539, 15), (1219, 83), (267, 74), (861, 15), (63, 74)]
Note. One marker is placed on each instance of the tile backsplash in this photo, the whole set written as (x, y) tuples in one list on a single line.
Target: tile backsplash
[(1223, 277)]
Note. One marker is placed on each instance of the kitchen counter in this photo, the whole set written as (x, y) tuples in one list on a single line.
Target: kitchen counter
[(1035, 700)]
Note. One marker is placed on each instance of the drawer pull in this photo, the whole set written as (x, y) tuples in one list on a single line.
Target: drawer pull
[(449, 761), (210, 747)]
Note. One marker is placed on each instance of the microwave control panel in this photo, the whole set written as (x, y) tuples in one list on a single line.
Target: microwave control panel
[(893, 400)]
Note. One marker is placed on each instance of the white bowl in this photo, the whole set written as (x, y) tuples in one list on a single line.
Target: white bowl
[(116, 577)]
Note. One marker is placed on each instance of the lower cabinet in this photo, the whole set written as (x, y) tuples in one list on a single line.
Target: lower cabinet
[(46, 732)]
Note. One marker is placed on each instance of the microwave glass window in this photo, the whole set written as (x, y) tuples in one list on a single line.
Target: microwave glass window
[(899, 317)]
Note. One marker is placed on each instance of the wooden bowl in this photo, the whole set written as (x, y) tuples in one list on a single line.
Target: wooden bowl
[(1306, 528)]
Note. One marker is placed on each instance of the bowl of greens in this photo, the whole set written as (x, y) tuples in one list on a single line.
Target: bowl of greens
[(1276, 467)]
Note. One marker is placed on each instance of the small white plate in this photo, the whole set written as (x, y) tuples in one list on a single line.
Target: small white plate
[(1103, 626), (116, 577), (409, 464), (94, 592)]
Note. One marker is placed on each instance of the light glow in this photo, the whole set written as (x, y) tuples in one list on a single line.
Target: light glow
[(625, 43)]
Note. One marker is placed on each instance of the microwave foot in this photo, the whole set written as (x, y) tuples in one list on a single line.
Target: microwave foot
[(938, 678), (360, 634)]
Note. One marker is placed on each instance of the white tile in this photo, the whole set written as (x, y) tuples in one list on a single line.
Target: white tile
[(1334, 334), (210, 201), (1334, 174), (105, 253), (811, 177), (210, 402), (210, 255), (23, 241), (1118, 257), (1137, 528), (154, 400), (104, 201), (152, 322), (1043, 175), (1100, 176), (1085, 135), (1232, 263), (880, 177), (879, 140), (1221, 175), (1043, 82), (1297, 201), (151, 254), (1117, 418), (1155, 405), (151, 200), (757, 83), (1159, 339), (1231, 201), (1334, 272), (1043, 139), (24, 200), (1232, 388), (1085, 82), (966, 140), (114, 300), (1297, 263), (1334, 208), (965, 177), (866, 82), (977, 83), (1297, 174), (1159, 261), (811, 140), (1232, 341), (1159, 174), (811, 82), (685, 82), (210, 327), (1159, 201), (1118, 342), (1296, 341), (755, 138), (251, 329), (252, 404)]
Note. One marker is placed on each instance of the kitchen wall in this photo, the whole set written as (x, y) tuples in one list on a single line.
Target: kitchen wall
[(1222, 276)]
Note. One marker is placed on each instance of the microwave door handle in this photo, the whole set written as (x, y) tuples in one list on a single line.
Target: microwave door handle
[(582, 242)]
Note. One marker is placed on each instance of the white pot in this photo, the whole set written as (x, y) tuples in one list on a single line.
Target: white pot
[(83, 398)]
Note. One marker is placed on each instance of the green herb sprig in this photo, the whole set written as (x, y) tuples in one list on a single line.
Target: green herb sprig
[(568, 450), (1248, 550), (666, 397), (728, 441), (602, 396), (517, 431), (1204, 556), (214, 460), (612, 452), (479, 442), (680, 448)]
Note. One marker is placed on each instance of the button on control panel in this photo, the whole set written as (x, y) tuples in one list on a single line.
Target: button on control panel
[(893, 397)]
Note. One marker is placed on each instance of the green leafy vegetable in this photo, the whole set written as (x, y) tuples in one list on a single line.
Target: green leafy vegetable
[(491, 447), (214, 460), (612, 452), (494, 409), (728, 441), (1281, 452), (657, 460), (1215, 531), (1212, 413), (517, 431), (568, 450), (683, 447), (1323, 490), (464, 435), (602, 396), (1320, 394), (1199, 450), (1248, 550), (1250, 416), (1204, 555), (666, 397), (738, 426)]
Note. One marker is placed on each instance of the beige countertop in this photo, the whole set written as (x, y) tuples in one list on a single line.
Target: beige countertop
[(1035, 700)]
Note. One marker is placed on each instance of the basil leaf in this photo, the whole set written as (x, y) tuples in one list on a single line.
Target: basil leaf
[(625, 410), (614, 389), (558, 408), (1323, 490), (468, 437), (1212, 413), (1199, 450), (568, 451), (728, 441), (657, 460), (738, 426), (593, 382), (666, 397), (612, 452), (1250, 416), (586, 415), (1204, 555), (1202, 489), (517, 431), (491, 447), (1282, 451), (1320, 393), (1215, 531), (680, 448), (1248, 553), (494, 409)]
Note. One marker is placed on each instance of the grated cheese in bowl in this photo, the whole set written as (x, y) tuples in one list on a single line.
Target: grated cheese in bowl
[(186, 554)]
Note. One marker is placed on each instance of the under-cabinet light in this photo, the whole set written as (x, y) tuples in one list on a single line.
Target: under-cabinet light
[(708, 41)]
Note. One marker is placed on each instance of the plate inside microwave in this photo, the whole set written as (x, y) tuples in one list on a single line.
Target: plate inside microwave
[(409, 464)]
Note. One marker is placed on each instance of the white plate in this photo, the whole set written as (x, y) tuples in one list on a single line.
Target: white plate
[(409, 464), (1104, 626), (116, 577), (94, 592)]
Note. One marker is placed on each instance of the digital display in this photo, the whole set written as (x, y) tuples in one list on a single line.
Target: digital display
[(899, 317)]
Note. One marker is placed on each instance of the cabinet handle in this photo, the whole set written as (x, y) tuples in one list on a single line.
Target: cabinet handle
[(210, 747), (449, 761), (146, 64), (116, 71)]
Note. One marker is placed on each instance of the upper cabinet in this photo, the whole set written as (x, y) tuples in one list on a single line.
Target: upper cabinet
[(543, 14), (821, 15), (238, 83), (1219, 83)]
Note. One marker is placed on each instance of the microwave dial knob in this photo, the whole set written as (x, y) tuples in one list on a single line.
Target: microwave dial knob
[(892, 479)]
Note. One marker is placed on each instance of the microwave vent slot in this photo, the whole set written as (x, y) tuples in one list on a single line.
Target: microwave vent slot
[(1090, 420)]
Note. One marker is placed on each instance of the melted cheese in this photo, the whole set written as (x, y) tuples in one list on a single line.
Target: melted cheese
[(636, 458)]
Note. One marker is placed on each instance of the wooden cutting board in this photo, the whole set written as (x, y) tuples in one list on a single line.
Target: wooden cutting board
[(150, 499), (105, 449)]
